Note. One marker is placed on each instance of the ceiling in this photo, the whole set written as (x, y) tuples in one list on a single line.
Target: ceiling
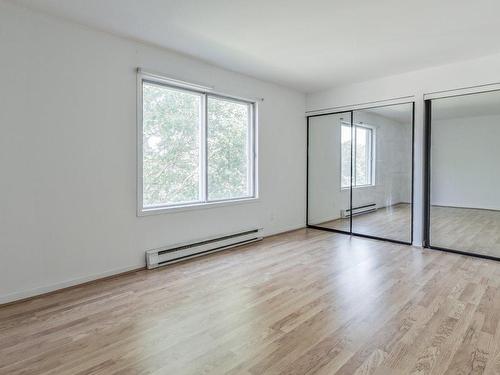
[(307, 45)]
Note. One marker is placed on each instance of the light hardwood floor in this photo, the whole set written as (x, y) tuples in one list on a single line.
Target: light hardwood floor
[(466, 229), (392, 222), (306, 302)]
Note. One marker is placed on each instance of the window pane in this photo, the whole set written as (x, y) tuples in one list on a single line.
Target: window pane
[(362, 151), (171, 145), (345, 139), (228, 132)]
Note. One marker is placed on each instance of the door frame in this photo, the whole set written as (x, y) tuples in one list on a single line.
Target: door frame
[(427, 170), (350, 232)]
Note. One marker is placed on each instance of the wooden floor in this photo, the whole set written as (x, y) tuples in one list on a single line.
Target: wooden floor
[(307, 302), (466, 229), (393, 222)]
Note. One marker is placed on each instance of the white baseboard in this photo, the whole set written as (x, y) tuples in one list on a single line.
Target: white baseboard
[(288, 228), (325, 219), (7, 298)]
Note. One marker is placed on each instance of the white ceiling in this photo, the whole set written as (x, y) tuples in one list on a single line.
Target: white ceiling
[(305, 44)]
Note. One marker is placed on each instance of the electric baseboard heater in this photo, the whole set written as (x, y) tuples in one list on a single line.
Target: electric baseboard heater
[(173, 254), (371, 207)]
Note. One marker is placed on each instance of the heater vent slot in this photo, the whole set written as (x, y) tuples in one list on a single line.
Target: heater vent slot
[(172, 254), (360, 210)]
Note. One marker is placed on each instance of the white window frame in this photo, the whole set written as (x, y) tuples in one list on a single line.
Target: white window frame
[(372, 154), (205, 93)]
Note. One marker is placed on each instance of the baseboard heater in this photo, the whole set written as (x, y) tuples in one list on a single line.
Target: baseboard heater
[(173, 254), (370, 207)]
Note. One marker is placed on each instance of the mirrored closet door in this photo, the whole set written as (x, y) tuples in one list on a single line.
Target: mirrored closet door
[(360, 172), (382, 172), (463, 173), (329, 163)]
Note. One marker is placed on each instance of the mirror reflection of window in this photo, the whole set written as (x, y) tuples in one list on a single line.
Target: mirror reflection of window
[(382, 172), (379, 141), (329, 165), (363, 151), (346, 156)]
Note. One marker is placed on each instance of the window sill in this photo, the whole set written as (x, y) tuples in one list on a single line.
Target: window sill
[(194, 206), (358, 187)]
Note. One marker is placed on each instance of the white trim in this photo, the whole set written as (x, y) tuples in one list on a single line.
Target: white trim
[(7, 298), (139, 146), (172, 81), (27, 293), (366, 105), (196, 206), (204, 202), (255, 151), (372, 152), (347, 124), (190, 86), (358, 187), (462, 91), (203, 194)]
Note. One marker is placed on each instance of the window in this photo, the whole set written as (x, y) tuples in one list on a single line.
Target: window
[(363, 151), (197, 148)]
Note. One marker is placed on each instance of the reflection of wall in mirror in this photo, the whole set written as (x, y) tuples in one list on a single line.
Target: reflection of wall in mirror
[(393, 163), (392, 166), (324, 168), (465, 162)]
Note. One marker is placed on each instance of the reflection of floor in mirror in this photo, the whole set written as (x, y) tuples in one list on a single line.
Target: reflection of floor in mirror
[(391, 222), (466, 229)]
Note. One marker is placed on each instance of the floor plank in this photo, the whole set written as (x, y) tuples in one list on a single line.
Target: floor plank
[(470, 230), (305, 302)]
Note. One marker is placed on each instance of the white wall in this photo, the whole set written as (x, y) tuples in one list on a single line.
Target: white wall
[(392, 165), (68, 161), (465, 162), (464, 74), (392, 162)]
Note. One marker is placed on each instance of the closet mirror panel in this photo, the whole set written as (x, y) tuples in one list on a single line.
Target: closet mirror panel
[(329, 163), (464, 202), (382, 143)]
